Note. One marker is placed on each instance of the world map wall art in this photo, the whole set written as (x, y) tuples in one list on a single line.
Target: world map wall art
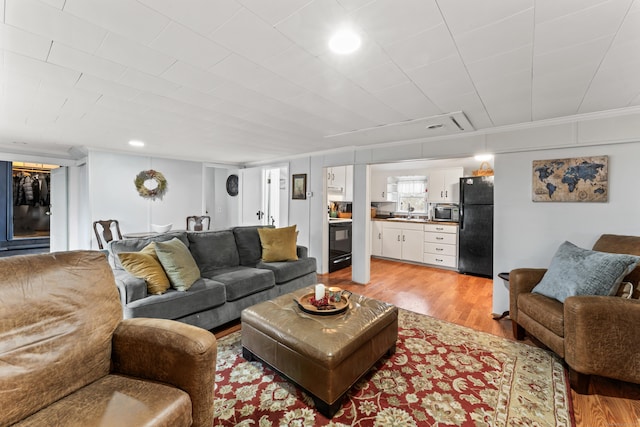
[(580, 179)]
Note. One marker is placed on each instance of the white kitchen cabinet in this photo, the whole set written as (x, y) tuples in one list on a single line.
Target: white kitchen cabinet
[(378, 187), (403, 241), (336, 179), (412, 245), (441, 245), (391, 242), (444, 185), (376, 238)]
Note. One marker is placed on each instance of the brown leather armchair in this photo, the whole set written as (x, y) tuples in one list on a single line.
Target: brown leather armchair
[(595, 335), (68, 358)]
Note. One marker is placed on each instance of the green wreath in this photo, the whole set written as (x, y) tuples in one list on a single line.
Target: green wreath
[(151, 193)]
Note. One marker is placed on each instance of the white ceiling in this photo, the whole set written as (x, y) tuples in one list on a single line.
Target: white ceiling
[(236, 81)]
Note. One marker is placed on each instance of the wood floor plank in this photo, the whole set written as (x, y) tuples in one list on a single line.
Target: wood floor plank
[(467, 301)]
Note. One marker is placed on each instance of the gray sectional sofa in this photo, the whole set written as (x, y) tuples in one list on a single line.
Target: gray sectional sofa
[(233, 277)]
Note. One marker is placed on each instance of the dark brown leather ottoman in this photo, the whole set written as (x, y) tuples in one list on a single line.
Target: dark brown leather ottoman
[(324, 355)]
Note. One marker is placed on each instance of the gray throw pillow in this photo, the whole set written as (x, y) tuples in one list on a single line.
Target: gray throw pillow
[(178, 263), (577, 271)]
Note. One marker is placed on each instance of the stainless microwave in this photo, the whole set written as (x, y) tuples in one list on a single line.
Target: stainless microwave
[(446, 212)]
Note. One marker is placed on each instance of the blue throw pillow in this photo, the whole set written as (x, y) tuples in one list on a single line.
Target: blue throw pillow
[(577, 271)]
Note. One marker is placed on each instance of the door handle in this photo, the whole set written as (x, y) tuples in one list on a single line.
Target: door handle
[(379, 236), (398, 237), (403, 238)]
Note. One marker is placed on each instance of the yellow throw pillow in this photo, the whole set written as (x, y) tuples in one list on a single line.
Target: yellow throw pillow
[(178, 263), (145, 265), (278, 244)]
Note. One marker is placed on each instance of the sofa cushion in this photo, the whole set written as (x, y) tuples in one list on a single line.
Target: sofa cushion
[(242, 281), (213, 250), (289, 270), (577, 271), (278, 244), (178, 263), (248, 244), (204, 294), (535, 304), (136, 245), (146, 265), (117, 400)]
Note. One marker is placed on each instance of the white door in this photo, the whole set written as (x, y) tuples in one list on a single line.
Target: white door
[(251, 191), (272, 196), (391, 243), (412, 245), (376, 238), (436, 186), (452, 184), (58, 209)]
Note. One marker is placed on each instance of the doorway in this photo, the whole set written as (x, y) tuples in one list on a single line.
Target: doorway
[(31, 199), (264, 196), (25, 218)]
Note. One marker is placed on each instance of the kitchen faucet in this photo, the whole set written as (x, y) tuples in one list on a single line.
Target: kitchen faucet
[(410, 209)]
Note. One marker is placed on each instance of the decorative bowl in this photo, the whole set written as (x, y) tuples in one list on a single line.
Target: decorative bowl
[(161, 228)]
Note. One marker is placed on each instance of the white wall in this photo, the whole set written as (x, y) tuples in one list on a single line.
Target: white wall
[(79, 224), (113, 194), (299, 209), (527, 234)]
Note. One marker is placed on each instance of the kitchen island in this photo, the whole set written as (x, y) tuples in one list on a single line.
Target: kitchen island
[(416, 240)]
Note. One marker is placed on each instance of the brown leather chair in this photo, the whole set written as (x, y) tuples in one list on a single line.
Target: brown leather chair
[(198, 223), (595, 335), (106, 234), (69, 359)]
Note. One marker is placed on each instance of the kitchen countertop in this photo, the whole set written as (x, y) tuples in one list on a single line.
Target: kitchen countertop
[(413, 221), (339, 220)]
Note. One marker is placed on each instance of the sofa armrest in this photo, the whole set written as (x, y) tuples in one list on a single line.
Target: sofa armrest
[(601, 336), (170, 352), (131, 288), (522, 280), (302, 251)]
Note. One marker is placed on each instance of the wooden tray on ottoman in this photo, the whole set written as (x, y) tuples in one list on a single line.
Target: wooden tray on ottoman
[(335, 308), (323, 355)]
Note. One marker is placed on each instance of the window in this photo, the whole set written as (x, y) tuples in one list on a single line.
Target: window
[(412, 193)]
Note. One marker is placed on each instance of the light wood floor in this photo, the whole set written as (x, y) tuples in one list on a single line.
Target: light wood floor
[(467, 300)]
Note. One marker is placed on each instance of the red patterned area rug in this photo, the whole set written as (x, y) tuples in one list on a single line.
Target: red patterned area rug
[(442, 374)]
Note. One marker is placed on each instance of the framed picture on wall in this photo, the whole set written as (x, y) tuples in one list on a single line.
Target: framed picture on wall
[(577, 179), (299, 187)]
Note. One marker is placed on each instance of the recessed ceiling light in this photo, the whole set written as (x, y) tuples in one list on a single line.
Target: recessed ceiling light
[(344, 41), (135, 143), (483, 157)]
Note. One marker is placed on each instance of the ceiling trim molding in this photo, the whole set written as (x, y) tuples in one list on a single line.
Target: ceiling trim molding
[(478, 133)]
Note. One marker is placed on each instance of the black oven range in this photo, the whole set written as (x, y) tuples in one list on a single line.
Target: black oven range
[(339, 244)]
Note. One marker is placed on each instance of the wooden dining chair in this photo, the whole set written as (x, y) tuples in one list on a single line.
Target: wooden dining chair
[(106, 234), (197, 223)]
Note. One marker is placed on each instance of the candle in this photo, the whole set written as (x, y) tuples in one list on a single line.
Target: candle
[(319, 291)]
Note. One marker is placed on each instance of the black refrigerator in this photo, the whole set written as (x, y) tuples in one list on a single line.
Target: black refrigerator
[(476, 226)]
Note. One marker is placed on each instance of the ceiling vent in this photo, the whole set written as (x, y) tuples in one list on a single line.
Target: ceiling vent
[(428, 127)]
